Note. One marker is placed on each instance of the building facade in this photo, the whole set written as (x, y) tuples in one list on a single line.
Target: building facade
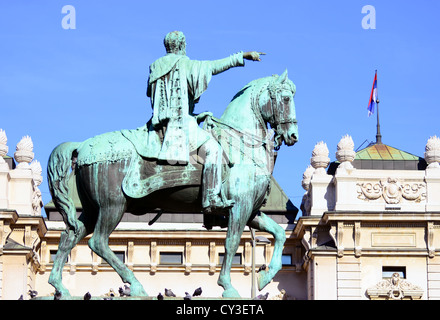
[(176, 252), (369, 229), (370, 223), (21, 224)]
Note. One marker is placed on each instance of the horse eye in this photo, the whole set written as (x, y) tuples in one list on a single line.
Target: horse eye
[(286, 99)]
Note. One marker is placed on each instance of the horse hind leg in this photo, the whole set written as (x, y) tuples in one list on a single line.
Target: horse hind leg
[(108, 219), (263, 223), (68, 240)]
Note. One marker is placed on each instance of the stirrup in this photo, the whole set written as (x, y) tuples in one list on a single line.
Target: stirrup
[(218, 206)]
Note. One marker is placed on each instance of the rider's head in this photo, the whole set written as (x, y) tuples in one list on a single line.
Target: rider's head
[(175, 43)]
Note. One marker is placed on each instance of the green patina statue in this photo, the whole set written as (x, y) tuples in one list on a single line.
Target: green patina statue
[(173, 165), (175, 86)]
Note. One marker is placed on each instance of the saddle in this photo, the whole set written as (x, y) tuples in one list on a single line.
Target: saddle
[(147, 174)]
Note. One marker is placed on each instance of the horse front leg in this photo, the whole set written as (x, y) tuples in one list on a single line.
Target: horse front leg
[(263, 223), (236, 226)]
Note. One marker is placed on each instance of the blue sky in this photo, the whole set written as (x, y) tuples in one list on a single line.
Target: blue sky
[(61, 85)]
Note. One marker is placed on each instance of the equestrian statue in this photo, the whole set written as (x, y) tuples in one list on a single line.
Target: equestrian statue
[(172, 164)]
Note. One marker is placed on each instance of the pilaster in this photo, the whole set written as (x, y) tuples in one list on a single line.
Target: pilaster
[(432, 179)]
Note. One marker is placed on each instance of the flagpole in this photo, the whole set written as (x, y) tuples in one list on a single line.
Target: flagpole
[(378, 135)]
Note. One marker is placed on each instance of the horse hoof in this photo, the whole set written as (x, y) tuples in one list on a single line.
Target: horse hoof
[(230, 293), (62, 295)]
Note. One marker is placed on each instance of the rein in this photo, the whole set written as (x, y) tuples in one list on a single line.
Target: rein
[(239, 135), (259, 142), (262, 124), (249, 140)]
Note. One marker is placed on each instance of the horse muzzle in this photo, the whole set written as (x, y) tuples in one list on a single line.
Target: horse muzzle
[(288, 132), (291, 139)]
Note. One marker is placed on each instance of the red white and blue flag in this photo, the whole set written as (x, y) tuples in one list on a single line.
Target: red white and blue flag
[(373, 96)]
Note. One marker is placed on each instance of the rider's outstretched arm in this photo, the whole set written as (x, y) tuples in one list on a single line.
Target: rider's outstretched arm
[(234, 60)]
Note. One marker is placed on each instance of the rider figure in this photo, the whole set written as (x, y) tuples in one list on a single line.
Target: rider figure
[(175, 85)]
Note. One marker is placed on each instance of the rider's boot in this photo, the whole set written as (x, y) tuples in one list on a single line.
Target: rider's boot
[(212, 200)]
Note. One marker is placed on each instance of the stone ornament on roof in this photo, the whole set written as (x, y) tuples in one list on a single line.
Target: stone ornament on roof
[(320, 159), (36, 172), (3, 145), (24, 152), (345, 152), (23, 181), (307, 177), (37, 200), (432, 152)]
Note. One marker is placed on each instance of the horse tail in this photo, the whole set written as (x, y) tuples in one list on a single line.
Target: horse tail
[(58, 173)]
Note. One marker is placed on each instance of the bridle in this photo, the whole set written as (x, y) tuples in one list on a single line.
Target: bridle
[(275, 107)]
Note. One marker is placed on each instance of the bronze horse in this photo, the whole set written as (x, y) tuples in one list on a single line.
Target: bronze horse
[(99, 182)]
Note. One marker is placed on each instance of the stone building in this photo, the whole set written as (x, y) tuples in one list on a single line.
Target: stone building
[(175, 252), (21, 225), (370, 223), (369, 230)]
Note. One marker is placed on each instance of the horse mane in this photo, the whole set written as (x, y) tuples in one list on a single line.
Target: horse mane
[(257, 85)]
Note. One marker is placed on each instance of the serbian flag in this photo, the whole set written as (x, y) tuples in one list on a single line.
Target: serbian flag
[(373, 96)]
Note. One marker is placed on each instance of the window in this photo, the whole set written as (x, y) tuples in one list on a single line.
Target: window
[(235, 261), (388, 271), (53, 254), (286, 259), (171, 258), (119, 254)]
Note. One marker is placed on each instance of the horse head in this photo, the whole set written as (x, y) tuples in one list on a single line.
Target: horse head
[(278, 109)]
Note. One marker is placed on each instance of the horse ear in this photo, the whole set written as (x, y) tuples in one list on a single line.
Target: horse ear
[(282, 77)]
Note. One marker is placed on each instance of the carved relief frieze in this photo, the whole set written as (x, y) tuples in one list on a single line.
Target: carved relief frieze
[(395, 288), (391, 190)]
